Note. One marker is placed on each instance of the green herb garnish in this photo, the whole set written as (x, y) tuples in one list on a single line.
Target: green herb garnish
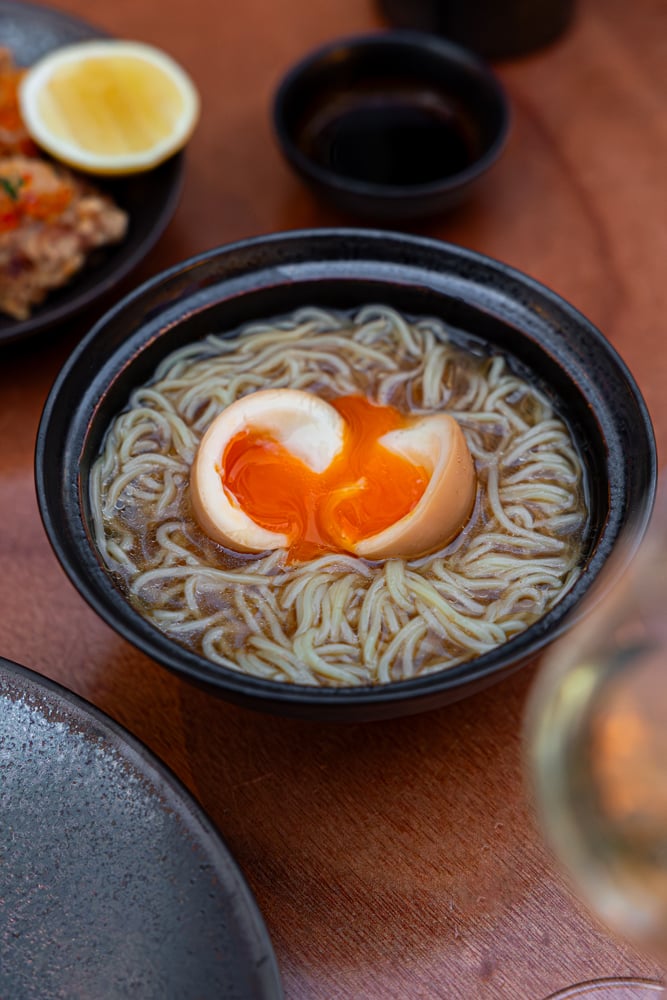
[(12, 188)]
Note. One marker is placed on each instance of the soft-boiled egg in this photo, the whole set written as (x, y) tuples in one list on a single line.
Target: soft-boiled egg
[(308, 430), (437, 444), (282, 468)]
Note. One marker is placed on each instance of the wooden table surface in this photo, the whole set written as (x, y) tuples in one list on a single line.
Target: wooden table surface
[(396, 859)]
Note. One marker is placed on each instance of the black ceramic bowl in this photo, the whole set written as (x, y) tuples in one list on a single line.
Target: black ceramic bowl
[(391, 126), (344, 269)]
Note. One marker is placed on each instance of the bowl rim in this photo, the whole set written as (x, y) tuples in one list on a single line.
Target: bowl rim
[(409, 39), (94, 583)]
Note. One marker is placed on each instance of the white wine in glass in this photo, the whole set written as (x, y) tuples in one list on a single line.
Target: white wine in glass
[(596, 744)]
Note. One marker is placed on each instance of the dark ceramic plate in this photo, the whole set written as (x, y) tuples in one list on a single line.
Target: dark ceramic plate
[(569, 359), (150, 199), (113, 883)]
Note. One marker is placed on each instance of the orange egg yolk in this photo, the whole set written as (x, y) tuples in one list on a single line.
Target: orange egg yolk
[(366, 488)]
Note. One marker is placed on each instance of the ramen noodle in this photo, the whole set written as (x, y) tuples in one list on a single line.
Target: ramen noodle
[(338, 619)]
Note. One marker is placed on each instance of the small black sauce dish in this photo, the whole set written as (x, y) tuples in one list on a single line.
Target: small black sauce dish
[(391, 126), (495, 30)]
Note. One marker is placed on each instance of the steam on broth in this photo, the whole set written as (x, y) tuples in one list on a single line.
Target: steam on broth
[(338, 619)]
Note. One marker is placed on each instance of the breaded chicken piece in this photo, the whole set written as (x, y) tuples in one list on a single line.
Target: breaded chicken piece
[(50, 220)]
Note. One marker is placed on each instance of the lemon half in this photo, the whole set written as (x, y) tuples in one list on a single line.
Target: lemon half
[(109, 107)]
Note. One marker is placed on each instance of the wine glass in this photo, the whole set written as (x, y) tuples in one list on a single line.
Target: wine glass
[(596, 751)]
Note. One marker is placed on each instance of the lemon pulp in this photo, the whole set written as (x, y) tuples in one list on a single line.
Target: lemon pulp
[(111, 107)]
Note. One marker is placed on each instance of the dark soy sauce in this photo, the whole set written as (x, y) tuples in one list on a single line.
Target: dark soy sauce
[(397, 137)]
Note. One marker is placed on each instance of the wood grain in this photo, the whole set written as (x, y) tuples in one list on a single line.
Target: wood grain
[(398, 859)]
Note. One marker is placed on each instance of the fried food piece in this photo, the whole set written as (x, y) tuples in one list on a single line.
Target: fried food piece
[(13, 135), (50, 220)]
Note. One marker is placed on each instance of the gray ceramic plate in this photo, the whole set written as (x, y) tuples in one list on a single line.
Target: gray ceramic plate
[(150, 199), (113, 883)]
